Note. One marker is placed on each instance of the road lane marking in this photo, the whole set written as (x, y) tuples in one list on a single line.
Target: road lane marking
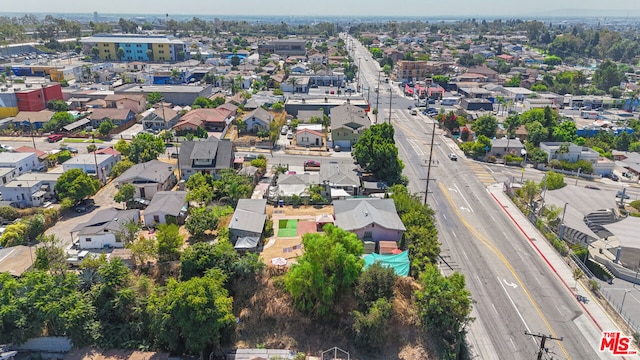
[(508, 265), (463, 198), (509, 284), (515, 307), (494, 309)]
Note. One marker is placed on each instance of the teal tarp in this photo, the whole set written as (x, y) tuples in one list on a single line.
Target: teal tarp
[(399, 263)]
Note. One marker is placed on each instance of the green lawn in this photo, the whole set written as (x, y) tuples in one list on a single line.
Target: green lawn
[(94, 141), (288, 228)]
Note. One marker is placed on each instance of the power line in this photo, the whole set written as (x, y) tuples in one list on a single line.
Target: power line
[(543, 340)]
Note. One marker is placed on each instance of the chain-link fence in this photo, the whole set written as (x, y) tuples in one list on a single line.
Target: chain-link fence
[(616, 304)]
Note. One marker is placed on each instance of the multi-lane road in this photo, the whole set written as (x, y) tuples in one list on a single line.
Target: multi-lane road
[(513, 288)]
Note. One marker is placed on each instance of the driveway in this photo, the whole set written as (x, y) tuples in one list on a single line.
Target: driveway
[(70, 219)]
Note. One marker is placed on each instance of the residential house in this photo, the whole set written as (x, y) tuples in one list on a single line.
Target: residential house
[(214, 120), (258, 119), (504, 146), (118, 117), (489, 73), (134, 102), (42, 156), (335, 176), (105, 228), (30, 189), (88, 162), (307, 137), (33, 119), (247, 223), (208, 156), (166, 207), (109, 150), (163, 118), (347, 124), (6, 175), (289, 185), (571, 152), (21, 162), (149, 178), (371, 219)]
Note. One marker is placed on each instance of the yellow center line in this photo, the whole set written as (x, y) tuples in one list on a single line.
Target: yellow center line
[(506, 262)]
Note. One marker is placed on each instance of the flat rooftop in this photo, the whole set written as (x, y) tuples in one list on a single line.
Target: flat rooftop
[(16, 260)]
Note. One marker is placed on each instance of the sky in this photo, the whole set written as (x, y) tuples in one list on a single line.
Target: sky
[(471, 8)]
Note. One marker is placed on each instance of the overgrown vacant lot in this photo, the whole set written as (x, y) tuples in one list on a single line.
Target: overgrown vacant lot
[(268, 318)]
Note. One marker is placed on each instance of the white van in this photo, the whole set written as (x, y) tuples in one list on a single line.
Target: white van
[(414, 112)]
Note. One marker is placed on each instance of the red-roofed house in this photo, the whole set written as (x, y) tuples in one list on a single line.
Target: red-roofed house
[(506, 57), (307, 137), (215, 120), (42, 156), (110, 151)]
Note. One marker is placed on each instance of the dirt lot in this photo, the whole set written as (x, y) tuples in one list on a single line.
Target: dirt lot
[(268, 318)]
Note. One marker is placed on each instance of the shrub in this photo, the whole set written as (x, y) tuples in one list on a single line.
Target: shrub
[(634, 204), (598, 271), (370, 328), (9, 213), (375, 283), (268, 228)]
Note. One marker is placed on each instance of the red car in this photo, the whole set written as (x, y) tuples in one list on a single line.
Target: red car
[(312, 164)]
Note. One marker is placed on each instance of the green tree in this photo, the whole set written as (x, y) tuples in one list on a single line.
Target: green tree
[(190, 316), (58, 121), (120, 167), (120, 53), (169, 242), (76, 185), (202, 219), (91, 148), (330, 266), (143, 249), (14, 234), (125, 194), (57, 105), (485, 125), (143, 147), (537, 133), (50, 256), (607, 75), (371, 327), (376, 152), (154, 98), (553, 181), (622, 141), (444, 306), (200, 188), (200, 257), (375, 283), (566, 131), (105, 127)]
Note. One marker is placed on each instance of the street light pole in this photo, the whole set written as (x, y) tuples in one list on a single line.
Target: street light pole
[(390, 100), (378, 97), (426, 190), (623, 298)]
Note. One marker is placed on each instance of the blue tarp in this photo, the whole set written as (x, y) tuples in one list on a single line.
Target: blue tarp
[(400, 262)]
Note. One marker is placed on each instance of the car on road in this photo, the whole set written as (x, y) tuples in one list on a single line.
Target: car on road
[(284, 130), (8, 148), (85, 206), (592, 187), (621, 194), (453, 157), (249, 157), (311, 165), (69, 148)]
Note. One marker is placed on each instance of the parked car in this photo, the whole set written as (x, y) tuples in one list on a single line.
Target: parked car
[(54, 138), (69, 148), (612, 176), (250, 157), (284, 130), (85, 205), (453, 157), (592, 187), (290, 135), (8, 148), (621, 194)]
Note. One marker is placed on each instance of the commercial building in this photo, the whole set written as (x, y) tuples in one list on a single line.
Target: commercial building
[(285, 47), (36, 98), (140, 47)]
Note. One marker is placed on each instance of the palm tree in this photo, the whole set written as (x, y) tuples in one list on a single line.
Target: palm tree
[(293, 81), (175, 75)]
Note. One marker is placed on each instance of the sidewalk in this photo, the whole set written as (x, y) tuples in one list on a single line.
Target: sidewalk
[(562, 270)]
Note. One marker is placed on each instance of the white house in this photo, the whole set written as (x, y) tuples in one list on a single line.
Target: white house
[(22, 162), (104, 229), (307, 137), (258, 119), (166, 207), (87, 163), (30, 189)]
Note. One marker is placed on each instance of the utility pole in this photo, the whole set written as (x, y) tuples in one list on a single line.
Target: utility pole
[(542, 342), (426, 190), (390, 99), (378, 97)]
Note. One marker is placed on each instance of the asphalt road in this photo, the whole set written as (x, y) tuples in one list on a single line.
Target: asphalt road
[(513, 289)]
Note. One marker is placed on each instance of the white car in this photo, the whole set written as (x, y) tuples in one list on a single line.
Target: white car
[(8, 148)]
